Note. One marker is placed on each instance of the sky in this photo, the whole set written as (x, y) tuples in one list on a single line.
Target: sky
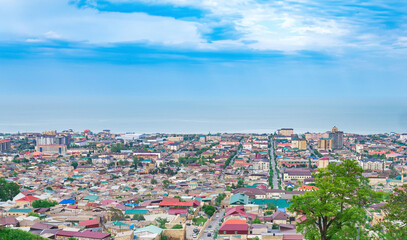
[(190, 66)]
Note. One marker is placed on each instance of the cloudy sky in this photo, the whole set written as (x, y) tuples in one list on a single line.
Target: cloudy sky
[(203, 66)]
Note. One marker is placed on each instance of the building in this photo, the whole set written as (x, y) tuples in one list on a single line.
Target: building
[(285, 132), (297, 174), (19, 211), (52, 140), (325, 144), (5, 145), (372, 164), (337, 138), (263, 164), (176, 138), (323, 162), (300, 144), (51, 149), (403, 136)]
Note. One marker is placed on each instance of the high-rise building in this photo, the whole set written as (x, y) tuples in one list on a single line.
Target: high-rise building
[(52, 140), (285, 132), (337, 138), (325, 144), (5, 145)]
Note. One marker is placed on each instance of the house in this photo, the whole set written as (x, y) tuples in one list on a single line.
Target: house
[(86, 235), (239, 199), (9, 221), (19, 211), (280, 217), (147, 233), (258, 229), (233, 229), (26, 201), (132, 212), (92, 223)]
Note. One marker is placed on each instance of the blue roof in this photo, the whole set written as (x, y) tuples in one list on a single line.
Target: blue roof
[(21, 210), (67, 201), (135, 211)]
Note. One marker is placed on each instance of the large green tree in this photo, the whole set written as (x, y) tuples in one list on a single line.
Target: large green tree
[(394, 225), (336, 209), (8, 190)]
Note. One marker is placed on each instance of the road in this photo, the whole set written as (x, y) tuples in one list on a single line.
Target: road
[(273, 165), (213, 226), (190, 231)]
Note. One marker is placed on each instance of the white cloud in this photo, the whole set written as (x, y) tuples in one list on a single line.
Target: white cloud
[(269, 25), (50, 19)]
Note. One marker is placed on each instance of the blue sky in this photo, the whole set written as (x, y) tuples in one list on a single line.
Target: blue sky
[(203, 66)]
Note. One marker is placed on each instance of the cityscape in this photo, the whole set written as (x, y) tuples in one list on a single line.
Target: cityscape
[(203, 120), (106, 185)]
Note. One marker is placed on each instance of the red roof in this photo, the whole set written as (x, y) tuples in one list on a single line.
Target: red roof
[(28, 198), (89, 223), (176, 211), (234, 227), (181, 204), (235, 221), (4, 140), (170, 199)]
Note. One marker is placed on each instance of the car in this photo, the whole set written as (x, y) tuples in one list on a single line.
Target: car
[(210, 226), (188, 224), (209, 234)]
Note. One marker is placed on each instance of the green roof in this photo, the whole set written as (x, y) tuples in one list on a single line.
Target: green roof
[(239, 198), (118, 223), (280, 203), (91, 198), (150, 228), (135, 211), (21, 210)]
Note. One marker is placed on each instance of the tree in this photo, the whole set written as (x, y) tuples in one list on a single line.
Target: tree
[(17, 234), (177, 226), (239, 183), (116, 214), (43, 203), (256, 221), (74, 164), (209, 210), (335, 209), (153, 181), (138, 217), (271, 206), (8, 190), (161, 222), (166, 184), (395, 222)]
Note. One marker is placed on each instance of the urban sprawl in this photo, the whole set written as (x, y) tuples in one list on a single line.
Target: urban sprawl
[(102, 185)]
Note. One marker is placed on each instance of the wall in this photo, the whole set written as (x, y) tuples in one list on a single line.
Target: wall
[(175, 234)]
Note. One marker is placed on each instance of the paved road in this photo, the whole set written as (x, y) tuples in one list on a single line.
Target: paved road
[(190, 231), (214, 225), (273, 165)]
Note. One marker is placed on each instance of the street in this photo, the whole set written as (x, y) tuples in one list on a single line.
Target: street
[(213, 225), (273, 165)]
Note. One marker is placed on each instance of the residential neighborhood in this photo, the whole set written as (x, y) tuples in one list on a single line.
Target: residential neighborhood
[(105, 185)]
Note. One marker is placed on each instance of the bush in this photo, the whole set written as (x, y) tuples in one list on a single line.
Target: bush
[(43, 204), (178, 226), (16, 234)]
